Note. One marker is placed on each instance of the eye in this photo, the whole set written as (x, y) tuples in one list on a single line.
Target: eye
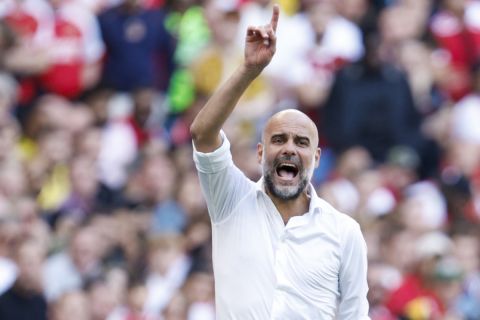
[(277, 139), (303, 142)]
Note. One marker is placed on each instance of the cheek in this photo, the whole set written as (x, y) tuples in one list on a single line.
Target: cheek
[(266, 161), (308, 159), (267, 156)]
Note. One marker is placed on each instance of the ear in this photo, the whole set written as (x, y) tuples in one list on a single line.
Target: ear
[(259, 152), (318, 153)]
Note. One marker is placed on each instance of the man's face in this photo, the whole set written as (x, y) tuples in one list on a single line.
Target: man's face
[(289, 154)]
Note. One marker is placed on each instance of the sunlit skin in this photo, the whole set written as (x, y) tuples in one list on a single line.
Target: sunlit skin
[(288, 154)]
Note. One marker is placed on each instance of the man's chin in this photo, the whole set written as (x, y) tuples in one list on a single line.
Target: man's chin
[(284, 189), (286, 192)]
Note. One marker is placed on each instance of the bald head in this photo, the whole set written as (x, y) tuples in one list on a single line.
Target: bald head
[(289, 153), (291, 118)]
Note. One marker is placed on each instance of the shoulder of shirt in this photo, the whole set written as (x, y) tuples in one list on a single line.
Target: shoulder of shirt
[(341, 218)]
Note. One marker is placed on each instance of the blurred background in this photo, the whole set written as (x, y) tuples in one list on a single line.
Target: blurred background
[(101, 214)]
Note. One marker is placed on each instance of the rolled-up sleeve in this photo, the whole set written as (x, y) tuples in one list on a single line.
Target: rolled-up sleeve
[(223, 184), (215, 161)]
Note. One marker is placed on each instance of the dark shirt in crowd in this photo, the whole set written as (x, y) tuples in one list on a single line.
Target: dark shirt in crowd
[(16, 304), (139, 48)]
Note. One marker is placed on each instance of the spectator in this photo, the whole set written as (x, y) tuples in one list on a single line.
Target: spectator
[(177, 309), (75, 48), (417, 290), (104, 302), (455, 28), (363, 97), (70, 305), (139, 48), (168, 266), (25, 300), (333, 42), (68, 270), (9, 235), (199, 292), (81, 201), (26, 49)]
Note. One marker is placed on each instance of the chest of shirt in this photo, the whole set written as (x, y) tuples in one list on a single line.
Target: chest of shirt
[(305, 253)]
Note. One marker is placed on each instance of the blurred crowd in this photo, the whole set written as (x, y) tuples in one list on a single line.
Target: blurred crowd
[(101, 213)]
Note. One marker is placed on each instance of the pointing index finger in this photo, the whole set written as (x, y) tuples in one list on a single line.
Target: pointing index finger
[(275, 15)]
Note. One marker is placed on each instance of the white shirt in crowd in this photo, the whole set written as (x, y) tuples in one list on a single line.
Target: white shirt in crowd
[(312, 268)]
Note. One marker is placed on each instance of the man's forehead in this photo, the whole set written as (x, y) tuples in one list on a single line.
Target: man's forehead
[(290, 122)]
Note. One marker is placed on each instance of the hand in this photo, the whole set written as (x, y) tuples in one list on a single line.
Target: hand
[(261, 43)]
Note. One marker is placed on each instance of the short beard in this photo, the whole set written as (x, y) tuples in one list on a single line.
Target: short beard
[(285, 192)]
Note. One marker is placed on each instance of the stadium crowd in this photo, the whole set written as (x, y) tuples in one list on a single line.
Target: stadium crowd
[(101, 213)]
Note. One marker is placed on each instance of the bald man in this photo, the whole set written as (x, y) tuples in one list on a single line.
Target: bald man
[(279, 251)]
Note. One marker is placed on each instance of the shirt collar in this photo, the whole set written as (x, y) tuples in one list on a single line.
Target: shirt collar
[(315, 205)]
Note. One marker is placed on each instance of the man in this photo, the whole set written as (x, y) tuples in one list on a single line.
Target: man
[(25, 300), (279, 252)]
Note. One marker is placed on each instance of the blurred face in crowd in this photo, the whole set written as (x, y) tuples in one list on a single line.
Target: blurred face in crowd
[(10, 228), (88, 143), (223, 21), (190, 195), (56, 145), (467, 252), (289, 154), (319, 14), (80, 119), (72, 305), (9, 134), (456, 6), (177, 309), (102, 300), (398, 251), (137, 295), (29, 258), (199, 287), (164, 252), (83, 177), (159, 174), (13, 181), (132, 3), (393, 24), (84, 250), (352, 9), (381, 279), (27, 212)]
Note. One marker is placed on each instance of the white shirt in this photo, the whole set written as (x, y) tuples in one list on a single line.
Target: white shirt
[(313, 268), (161, 288), (8, 274), (60, 276)]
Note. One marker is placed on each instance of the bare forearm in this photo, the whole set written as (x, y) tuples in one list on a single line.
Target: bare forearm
[(260, 44), (205, 129)]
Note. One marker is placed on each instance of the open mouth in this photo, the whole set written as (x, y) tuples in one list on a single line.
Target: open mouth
[(287, 170)]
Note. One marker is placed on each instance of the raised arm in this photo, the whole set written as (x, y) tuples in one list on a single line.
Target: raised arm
[(260, 47)]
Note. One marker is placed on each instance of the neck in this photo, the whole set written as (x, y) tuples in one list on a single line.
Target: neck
[(291, 208)]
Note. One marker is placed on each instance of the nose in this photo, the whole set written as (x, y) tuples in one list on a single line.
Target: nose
[(289, 148)]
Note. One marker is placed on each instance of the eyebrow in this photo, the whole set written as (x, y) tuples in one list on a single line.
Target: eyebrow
[(278, 135), (284, 135)]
